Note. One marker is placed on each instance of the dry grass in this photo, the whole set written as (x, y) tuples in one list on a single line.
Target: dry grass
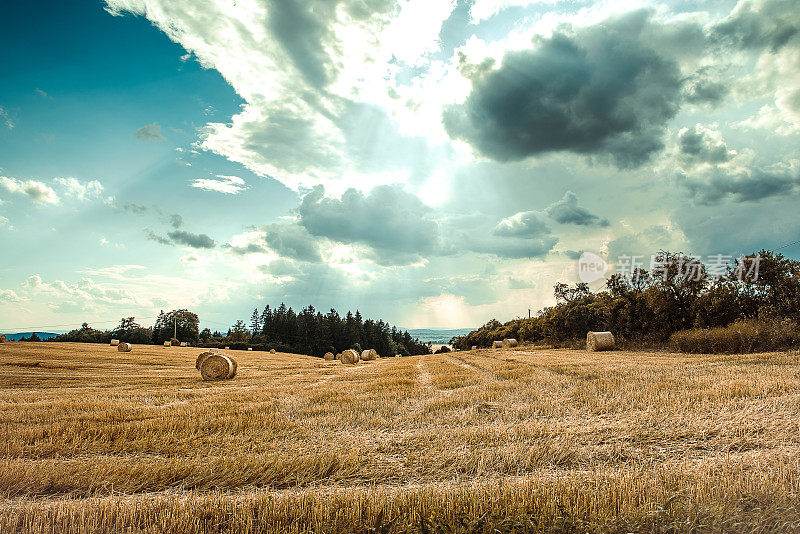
[(514, 440)]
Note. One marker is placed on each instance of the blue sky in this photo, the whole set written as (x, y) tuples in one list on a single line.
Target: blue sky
[(435, 163)]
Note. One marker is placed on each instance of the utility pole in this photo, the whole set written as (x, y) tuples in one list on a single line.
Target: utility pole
[(529, 313)]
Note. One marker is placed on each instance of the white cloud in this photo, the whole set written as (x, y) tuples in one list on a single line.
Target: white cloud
[(36, 190), (230, 185), (8, 295), (124, 289), (80, 190), (771, 119)]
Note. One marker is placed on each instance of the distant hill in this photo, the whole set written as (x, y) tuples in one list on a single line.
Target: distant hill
[(438, 336), (42, 335)]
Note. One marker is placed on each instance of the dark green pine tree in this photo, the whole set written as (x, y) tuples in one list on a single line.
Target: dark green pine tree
[(255, 323)]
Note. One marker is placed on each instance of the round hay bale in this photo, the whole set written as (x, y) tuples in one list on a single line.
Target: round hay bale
[(124, 347), (596, 341), (184, 344), (508, 343), (201, 357), (272, 351), (338, 356), (227, 348), (350, 356), (474, 347), (167, 344), (217, 366), (249, 348), (2, 338), (115, 342), (368, 355), (497, 344), (329, 356)]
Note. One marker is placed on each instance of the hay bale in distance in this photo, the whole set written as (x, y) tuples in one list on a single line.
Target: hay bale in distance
[(217, 366), (474, 347), (272, 351), (2, 338), (249, 348), (497, 344), (115, 342), (124, 347), (227, 348), (167, 344), (369, 355), (329, 356), (338, 356), (596, 341), (508, 343), (184, 344), (350, 356)]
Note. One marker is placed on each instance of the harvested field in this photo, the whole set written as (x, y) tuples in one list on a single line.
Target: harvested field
[(519, 440)]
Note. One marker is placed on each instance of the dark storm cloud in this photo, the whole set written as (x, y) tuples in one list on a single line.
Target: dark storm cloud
[(304, 30), (286, 239), (740, 186), (395, 224), (700, 144), (760, 25), (705, 86), (600, 90), (301, 29), (567, 211), (292, 241), (180, 237)]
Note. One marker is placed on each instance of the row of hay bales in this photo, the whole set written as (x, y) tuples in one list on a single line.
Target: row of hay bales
[(595, 341), (351, 356)]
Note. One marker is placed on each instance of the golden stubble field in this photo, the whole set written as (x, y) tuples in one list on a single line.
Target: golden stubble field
[(520, 440)]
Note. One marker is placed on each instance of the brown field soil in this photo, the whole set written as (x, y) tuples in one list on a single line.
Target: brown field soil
[(518, 440)]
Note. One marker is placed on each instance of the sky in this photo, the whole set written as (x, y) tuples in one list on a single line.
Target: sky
[(435, 163)]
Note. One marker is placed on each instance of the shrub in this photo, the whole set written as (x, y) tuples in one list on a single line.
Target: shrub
[(740, 337)]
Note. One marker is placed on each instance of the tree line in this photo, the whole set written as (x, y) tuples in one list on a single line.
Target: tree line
[(311, 332), (307, 332), (648, 308)]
